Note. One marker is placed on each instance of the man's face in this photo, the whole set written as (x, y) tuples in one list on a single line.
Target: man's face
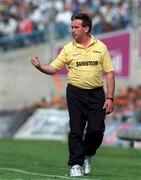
[(78, 31)]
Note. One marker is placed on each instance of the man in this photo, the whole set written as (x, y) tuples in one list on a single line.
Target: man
[(87, 60)]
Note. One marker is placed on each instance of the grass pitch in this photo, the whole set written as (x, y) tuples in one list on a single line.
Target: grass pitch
[(40, 160)]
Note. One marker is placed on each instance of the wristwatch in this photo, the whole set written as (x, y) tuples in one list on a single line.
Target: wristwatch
[(112, 99)]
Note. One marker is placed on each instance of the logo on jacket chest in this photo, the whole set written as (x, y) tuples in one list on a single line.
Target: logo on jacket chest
[(87, 63), (76, 54)]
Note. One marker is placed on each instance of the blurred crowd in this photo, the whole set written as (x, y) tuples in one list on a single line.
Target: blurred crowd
[(57, 102), (127, 105), (26, 16)]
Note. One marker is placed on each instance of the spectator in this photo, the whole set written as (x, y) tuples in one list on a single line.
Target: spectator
[(62, 21), (36, 17), (8, 25), (98, 20), (24, 25), (24, 28)]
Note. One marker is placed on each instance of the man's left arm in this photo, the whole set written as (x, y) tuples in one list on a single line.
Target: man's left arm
[(110, 83)]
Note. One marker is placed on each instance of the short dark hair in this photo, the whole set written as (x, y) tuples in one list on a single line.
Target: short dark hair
[(86, 20)]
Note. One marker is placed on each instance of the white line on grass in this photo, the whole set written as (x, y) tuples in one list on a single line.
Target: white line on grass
[(41, 174)]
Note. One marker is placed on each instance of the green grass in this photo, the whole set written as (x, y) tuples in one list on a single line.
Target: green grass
[(44, 158)]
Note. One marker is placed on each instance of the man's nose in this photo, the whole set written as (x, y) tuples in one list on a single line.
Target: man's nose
[(73, 30)]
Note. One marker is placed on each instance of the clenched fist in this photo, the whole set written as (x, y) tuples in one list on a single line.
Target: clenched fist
[(35, 61)]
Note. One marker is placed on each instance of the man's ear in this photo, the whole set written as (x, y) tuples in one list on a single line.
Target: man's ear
[(86, 29)]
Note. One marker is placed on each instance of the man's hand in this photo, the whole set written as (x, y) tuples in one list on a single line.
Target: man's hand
[(108, 106), (35, 62), (47, 69)]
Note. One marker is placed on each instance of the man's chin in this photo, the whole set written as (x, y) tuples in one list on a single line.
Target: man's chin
[(75, 38)]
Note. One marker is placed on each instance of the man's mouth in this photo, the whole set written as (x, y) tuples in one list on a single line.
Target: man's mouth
[(74, 35)]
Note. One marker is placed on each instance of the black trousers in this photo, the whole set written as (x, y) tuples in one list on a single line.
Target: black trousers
[(86, 122)]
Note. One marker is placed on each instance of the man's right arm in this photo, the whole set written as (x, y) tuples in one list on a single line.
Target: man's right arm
[(47, 69)]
